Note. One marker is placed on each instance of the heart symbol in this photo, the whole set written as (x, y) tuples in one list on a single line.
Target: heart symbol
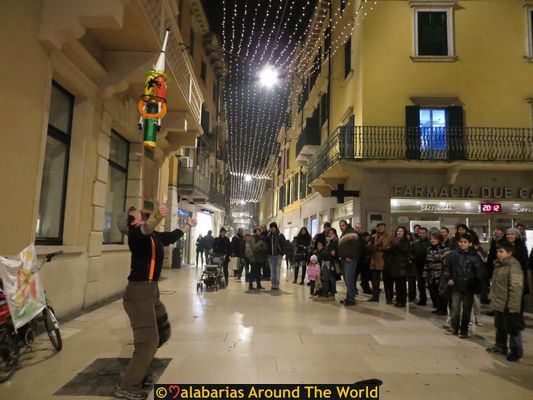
[(174, 391)]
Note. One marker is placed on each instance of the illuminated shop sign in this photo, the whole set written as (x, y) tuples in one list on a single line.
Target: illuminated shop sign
[(448, 206), (490, 208), (461, 192)]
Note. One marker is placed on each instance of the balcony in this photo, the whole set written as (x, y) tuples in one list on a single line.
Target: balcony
[(309, 141), (218, 199), (160, 16), (409, 147), (192, 184)]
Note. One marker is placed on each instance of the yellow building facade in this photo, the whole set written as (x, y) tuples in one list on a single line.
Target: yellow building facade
[(73, 153), (427, 113)]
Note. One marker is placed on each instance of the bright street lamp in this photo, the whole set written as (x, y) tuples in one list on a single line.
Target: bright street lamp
[(268, 77)]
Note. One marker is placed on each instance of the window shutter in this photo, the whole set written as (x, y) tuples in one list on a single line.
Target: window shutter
[(348, 57), (412, 132), (455, 133), (432, 33)]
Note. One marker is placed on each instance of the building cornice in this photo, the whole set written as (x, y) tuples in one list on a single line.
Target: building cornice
[(433, 3)]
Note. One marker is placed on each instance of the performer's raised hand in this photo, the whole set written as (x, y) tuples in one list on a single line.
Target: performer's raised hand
[(163, 210)]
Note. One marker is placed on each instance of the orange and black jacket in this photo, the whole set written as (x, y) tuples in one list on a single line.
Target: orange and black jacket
[(147, 252)]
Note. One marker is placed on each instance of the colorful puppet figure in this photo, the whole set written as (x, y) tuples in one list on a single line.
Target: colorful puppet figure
[(153, 103)]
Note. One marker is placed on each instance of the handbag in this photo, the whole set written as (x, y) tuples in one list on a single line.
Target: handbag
[(234, 263)]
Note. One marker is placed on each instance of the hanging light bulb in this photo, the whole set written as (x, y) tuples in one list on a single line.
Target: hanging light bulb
[(268, 77)]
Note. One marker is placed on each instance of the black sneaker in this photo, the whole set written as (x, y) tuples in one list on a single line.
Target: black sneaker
[(349, 303), (129, 394), (497, 349), (513, 357)]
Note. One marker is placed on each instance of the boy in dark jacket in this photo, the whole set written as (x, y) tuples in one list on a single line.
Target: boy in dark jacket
[(462, 269), (506, 296)]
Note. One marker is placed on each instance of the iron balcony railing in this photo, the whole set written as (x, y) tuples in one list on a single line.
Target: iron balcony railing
[(190, 178), (364, 143), (218, 198), (160, 16)]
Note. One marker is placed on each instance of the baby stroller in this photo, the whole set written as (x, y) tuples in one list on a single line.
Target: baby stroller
[(212, 275)]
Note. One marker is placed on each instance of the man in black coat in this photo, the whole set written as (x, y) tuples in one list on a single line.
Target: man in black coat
[(265, 267), (237, 250), (363, 264), (420, 248), (322, 236)]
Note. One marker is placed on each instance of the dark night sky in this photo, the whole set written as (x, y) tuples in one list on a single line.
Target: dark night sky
[(256, 37)]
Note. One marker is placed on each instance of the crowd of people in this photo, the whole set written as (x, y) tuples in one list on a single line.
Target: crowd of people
[(452, 271)]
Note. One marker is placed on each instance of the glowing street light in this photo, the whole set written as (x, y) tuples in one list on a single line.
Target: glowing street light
[(247, 178), (268, 77)]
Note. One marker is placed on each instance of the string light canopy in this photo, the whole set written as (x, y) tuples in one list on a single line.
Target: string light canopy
[(260, 38), (268, 51)]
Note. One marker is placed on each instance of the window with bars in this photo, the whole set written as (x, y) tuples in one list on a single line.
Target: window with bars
[(50, 219)]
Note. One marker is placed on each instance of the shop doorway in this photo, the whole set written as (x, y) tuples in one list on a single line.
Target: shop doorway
[(184, 244)]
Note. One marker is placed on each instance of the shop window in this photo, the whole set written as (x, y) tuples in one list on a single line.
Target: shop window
[(433, 32), (432, 129), (348, 57), (117, 178), (314, 225), (54, 181)]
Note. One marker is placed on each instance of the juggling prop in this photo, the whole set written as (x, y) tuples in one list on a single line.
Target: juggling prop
[(152, 105)]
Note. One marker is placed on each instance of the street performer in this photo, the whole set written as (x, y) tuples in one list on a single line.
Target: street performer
[(147, 314)]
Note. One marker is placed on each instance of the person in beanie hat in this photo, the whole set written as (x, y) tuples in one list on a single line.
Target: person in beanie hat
[(147, 314), (222, 248), (276, 245), (514, 238)]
